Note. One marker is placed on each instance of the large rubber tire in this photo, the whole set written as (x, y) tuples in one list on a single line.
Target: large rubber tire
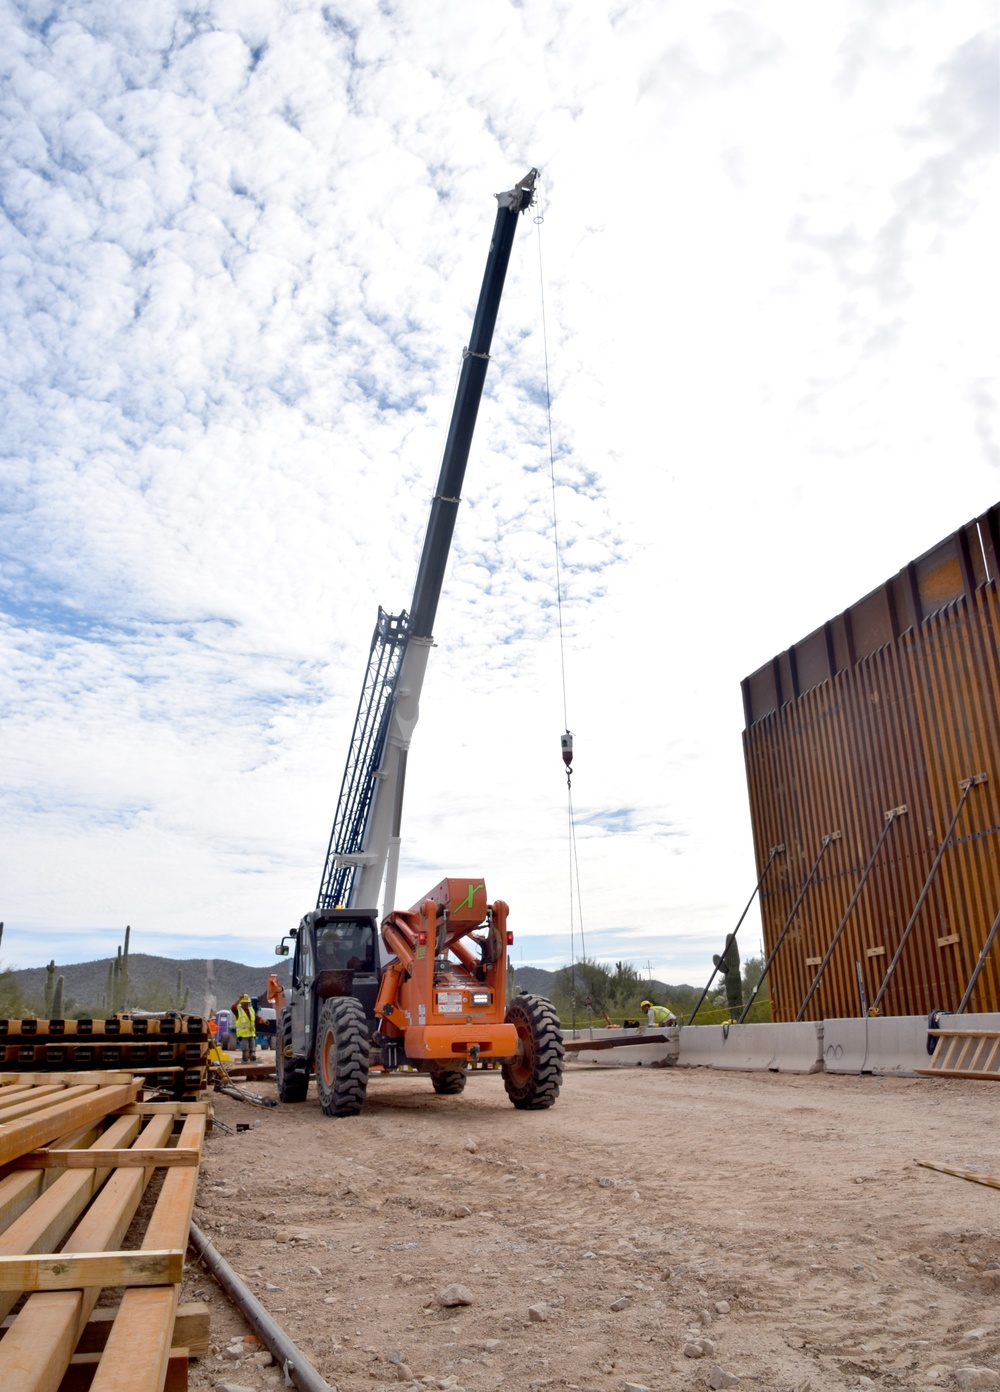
[(448, 1082), (534, 1076), (290, 1073), (342, 1056)]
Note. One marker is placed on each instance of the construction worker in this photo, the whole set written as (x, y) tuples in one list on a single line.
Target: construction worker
[(657, 1016), (246, 1027)]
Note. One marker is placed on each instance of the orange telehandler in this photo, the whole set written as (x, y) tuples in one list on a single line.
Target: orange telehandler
[(430, 991), (437, 1006)]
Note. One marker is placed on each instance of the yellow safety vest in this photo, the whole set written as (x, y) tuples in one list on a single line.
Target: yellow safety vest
[(246, 1022)]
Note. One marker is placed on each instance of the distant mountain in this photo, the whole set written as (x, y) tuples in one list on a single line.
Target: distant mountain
[(214, 982), (538, 982), (535, 980)]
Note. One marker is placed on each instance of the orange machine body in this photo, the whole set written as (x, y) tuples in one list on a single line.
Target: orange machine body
[(444, 996)]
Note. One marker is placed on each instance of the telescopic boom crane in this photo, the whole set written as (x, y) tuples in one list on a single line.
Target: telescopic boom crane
[(366, 827), (437, 1001)]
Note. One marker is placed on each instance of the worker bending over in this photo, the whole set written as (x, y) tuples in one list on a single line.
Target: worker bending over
[(657, 1016)]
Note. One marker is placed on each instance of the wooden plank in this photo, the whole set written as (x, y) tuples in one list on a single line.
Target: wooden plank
[(79, 1376), (65, 1113), (103, 1159), (960, 1174), (19, 1191), (964, 1033), (165, 1109), (91, 1077), (77, 1270), (35, 1099), (51, 1217), (35, 1351), (947, 941), (958, 1073), (139, 1343), (875, 952), (192, 1324), (138, 1347)]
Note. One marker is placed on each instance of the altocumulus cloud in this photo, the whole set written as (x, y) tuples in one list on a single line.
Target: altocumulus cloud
[(239, 251)]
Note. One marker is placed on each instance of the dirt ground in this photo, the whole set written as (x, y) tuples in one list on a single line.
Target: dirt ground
[(780, 1218)]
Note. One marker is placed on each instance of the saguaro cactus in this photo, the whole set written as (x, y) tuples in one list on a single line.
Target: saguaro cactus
[(57, 1000), (50, 987), (181, 995)]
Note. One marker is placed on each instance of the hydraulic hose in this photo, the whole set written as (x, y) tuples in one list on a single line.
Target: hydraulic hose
[(287, 1355)]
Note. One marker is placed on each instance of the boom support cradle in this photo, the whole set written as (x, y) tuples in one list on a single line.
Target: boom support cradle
[(443, 998)]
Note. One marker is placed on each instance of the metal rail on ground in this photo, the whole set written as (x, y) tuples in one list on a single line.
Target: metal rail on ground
[(288, 1355)]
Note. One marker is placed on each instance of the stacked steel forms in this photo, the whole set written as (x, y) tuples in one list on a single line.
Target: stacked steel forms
[(168, 1051), (884, 726)]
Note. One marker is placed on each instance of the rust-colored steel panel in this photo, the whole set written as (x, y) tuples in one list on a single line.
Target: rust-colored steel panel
[(892, 704)]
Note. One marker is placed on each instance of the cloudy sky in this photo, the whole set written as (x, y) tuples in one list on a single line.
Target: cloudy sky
[(240, 249)]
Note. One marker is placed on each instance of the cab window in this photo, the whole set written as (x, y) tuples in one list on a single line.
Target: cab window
[(346, 947)]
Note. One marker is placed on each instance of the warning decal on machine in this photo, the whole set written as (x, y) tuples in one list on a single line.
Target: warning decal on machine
[(449, 1002)]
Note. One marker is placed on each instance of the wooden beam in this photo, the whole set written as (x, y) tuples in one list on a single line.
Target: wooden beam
[(35, 1351), (79, 1376), (93, 1077), (19, 1191), (46, 1223), (139, 1343), (103, 1159), (958, 1073), (946, 1032), (64, 1114), (960, 1174), (79, 1270), (192, 1324), (35, 1099), (165, 1109)]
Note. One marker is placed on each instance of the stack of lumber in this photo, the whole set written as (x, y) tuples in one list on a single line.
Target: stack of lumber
[(77, 1154), (170, 1051)]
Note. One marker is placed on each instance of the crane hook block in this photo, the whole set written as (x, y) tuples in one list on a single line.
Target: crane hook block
[(566, 741)]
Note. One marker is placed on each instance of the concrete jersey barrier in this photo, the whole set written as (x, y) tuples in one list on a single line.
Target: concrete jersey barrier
[(884, 1045), (632, 1055), (794, 1048), (888, 1044)]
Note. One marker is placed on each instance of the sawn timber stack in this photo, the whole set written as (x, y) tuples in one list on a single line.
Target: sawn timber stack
[(63, 1225)]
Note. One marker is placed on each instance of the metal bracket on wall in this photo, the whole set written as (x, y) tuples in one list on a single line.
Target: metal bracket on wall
[(966, 785), (890, 817)]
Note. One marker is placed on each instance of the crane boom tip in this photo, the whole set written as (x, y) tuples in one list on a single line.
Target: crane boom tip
[(520, 198)]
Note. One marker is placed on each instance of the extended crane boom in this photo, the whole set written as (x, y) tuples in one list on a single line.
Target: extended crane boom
[(366, 827)]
